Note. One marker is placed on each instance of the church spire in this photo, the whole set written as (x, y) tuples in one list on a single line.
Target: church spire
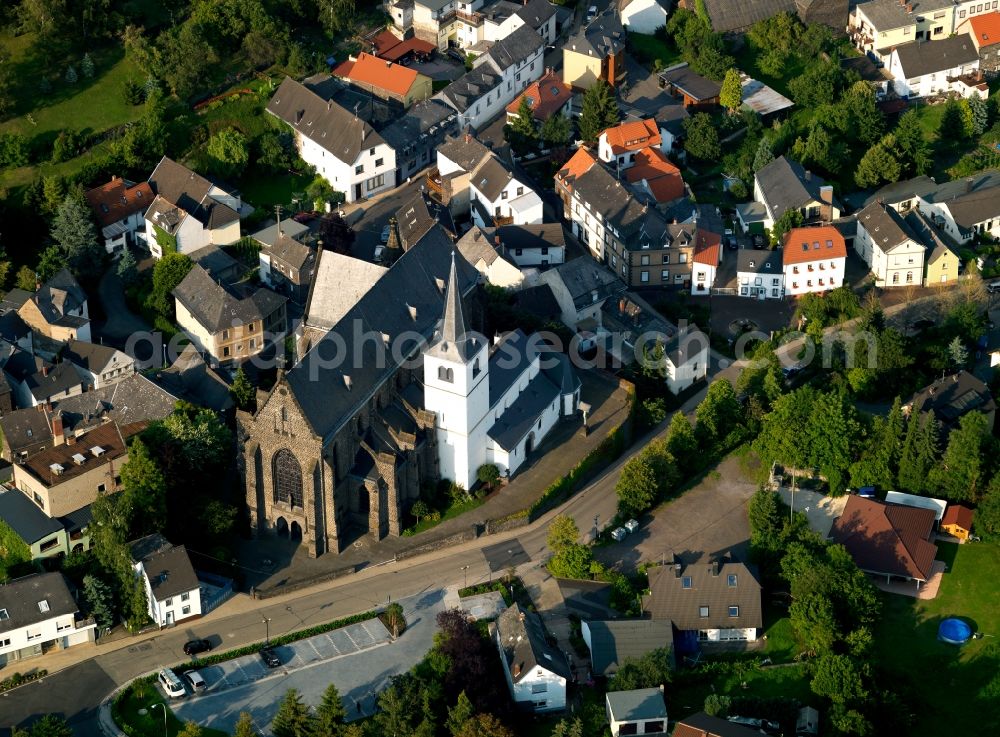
[(452, 342)]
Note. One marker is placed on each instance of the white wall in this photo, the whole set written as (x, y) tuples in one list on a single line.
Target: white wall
[(891, 269), (61, 628), (535, 256), (719, 635), (164, 613), (702, 278), (644, 16), (341, 174), (752, 284), (517, 456), (203, 340), (525, 208), (695, 368), (831, 273), (493, 103), (928, 84), (523, 692)]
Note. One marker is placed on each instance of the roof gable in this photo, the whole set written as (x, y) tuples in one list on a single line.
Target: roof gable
[(371, 70), (802, 245)]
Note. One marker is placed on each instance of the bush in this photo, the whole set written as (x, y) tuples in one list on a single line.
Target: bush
[(132, 92)]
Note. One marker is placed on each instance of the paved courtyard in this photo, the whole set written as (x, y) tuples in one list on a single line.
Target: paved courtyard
[(360, 659), (821, 510)]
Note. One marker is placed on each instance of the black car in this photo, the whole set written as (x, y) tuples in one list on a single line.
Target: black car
[(270, 658), (197, 646)]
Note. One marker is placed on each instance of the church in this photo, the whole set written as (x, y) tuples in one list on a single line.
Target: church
[(398, 394)]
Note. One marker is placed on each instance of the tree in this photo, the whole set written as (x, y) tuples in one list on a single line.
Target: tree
[(191, 729), (763, 156), (145, 490), (789, 219), (245, 727), (920, 452), (979, 114), (132, 92), (484, 725), (953, 127), (488, 474), (879, 164), (229, 152), (274, 150), (14, 150), (763, 513), (330, 713), (988, 513), (420, 509), (293, 718), (568, 728), (837, 678), (335, 234), (87, 66), (127, 269), (958, 353), (718, 413), (168, 272), (71, 76), (818, 84), (682, 443), (636, 487), (394, 618), (51, 725), (76, 235), (868, 121), (701, 138), (25, 279), (243, 392), (731, 96), (819, 149), (556, 131), (100, 601), (717, 705), (914, 151), (523, 134), (336, 15), (459, 714), (563, 533), (599, 111), (650, 671), (960, 473)]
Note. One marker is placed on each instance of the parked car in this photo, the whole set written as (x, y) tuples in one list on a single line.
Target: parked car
[(631, 525), (194, 647), (731, 243), (867, 492), (618, 534), (171, 684), (385, 234), (993, 287), (270, 658), (377, 256), (195, 681), (591, 13)]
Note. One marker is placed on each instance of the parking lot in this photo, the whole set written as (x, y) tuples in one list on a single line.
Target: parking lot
[(359, 658)]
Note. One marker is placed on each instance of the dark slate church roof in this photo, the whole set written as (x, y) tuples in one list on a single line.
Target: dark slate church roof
[(408, 299)]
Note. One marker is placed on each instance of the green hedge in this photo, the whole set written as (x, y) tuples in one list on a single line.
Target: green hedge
[(18, 679), (275, 641)]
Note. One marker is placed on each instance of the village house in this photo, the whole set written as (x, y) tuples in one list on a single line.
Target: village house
[(641, 711), (612, 643), (34, 381), (385, 80), (695, 91), (38, 615), (58, 308), (287, 264), (68, 476), (759, 274), (45, 537), (705, 261), (813, 260), (548, 96), (926, 68), (536, 672), (580, 288), (533, 244), (984, 31), (444, 23), (703, 725), (889, 247), (498, 197), (643, 16), (188, 211), (448, 182), (784, 185), (497, 77), (420, 215), (686, 357), (951, 397), (618, 145), (489, 259), (708, 599), (417, 134), (596, 51), (118, 207), (98, 365), (957, 521), (345, 149), (941, 263), (223, 324), (173, 593)]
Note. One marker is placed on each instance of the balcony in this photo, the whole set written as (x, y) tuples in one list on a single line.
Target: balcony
[(499, 220), (435, 185), (472, 19)]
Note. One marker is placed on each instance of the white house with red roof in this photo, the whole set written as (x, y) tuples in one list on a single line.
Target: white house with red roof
[(813, 260), (547, 96), (706, 260), (118, 207), (619, 146)]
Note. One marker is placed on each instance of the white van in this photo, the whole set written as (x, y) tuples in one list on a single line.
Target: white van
[(171, 684)]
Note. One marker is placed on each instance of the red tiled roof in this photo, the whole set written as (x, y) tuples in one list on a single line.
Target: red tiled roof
[(663, 178), (812, 244), (578, 165), (956, 514), (117, 199), (986, 29), (415, 45), (632, 136), (545, 96), (887, 538), (707, 247), (371, 70), (384, 41)]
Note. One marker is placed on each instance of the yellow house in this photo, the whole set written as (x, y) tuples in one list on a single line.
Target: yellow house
[(597, 51), (957, 521), (940, 262), (881, 25)]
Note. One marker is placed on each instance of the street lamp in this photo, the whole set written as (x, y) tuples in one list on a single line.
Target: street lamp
[(164, 707), (267, 630), (465, 570)]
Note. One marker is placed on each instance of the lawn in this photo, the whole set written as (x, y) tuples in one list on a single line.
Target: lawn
[(267, 190), (452, 511), (780, 682), (653, 52), (953, 690), (126, 711)]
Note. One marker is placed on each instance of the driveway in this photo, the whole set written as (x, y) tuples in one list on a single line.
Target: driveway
[(709, 518), (359, 658), (119, 322), (375, 216), (821, 510)]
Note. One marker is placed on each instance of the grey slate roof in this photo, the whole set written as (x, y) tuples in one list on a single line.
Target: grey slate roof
[(787, 186), (189, 378), (409, 288), (269, 235), (180, 187), (703, 725), (602, 37), (539, 301), (611, 642), (953, 396), (61, 376), (94, 357), (685, 344), (472, 85), (532, 236), (134, 399), (452, 340), (23, 428), (12, 327), (670, 600), (168, 567), (885, 226), (516, 47), (637, 705), (521, 635), (684, 78), (928, 235), (291, 252), (583, 278), (416, 122), (536, 13), (490, 177), (341, 281), (215, 308), (219, 264), (14, 299), (24, 517), (62, 292), (730, 15), (520, 417), (20, 598), (325, 123), (466, 151), (759, 262), (886, 15), (929, 57), (971, 200), (418, 215)]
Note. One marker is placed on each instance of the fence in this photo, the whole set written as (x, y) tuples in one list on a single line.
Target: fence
[(222, 591)]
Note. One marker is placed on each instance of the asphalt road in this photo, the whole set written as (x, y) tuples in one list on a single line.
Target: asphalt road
[(376, 216)]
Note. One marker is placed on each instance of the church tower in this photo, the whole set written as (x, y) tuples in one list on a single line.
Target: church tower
[(457, 389)]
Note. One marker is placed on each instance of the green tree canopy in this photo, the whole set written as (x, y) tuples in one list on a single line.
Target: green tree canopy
[(229, 152), (294, 718), (145, 490), (959, 476), (879, 164), (330, 713), (563, 533), (914, 151), (789, 219), (637, 486), (557, 131), (731, 96), (168, 272), (650, 671), (599, 111), (76, 235), (243, 392), (701, 137)]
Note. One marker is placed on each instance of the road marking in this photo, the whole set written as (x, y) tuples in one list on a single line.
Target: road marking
[(348, 634)]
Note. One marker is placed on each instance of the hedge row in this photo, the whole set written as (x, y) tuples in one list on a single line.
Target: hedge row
[(276, 641), (17, 679)]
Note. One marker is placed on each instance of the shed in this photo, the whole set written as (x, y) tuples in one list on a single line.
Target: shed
[(957, 521)]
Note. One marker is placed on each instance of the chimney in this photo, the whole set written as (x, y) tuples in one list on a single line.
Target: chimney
[(58, 437), (715, 567), (468, 137), (329, 104), (45, 370), (826, 209), (677, 568)]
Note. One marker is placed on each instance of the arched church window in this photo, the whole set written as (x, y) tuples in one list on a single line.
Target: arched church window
[(287, 478), (446, 374), (476, 369)]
